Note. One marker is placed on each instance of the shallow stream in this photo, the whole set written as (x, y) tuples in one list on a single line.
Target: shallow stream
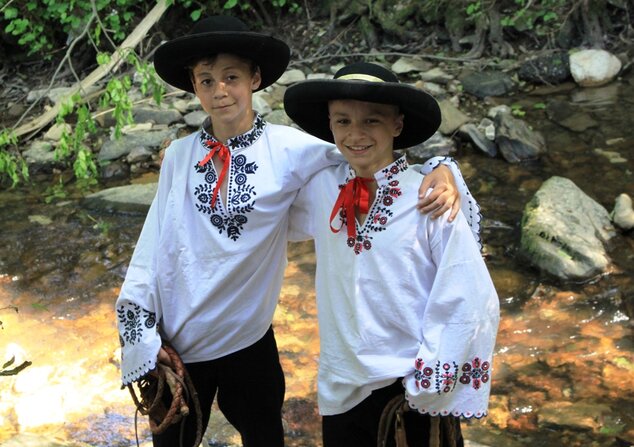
[(565, 353)]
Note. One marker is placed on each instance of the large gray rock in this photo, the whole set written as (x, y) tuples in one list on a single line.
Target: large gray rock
[(124, 199), (564, 231)]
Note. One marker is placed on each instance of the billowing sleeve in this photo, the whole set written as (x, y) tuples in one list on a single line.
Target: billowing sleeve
[(468, 204), (452, 371), (137, 307)]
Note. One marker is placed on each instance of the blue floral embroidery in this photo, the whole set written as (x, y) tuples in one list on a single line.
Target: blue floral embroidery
[(240, 192), (134, 320)]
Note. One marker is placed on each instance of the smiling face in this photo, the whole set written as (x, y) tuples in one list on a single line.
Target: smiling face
[(364, 132), (224, 85)]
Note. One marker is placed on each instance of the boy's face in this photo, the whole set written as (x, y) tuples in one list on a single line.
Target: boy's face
[(225, 87), (364, 133)]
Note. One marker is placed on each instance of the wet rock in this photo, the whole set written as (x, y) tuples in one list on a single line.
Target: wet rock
[(126, 199), (40, 219), (431, 87), (598, 97), (479, 140), (483, 84), (156, 115), (195, 118), (120, 147), (54, 133), (452, 117), (291, 76), (564, 231), (261, 103), (516, 140), (623, 213), (591, 68), (578, 415), (410, 64), (436, 75), (139, 154), (115, 170), (551, 68), (612, 156), (40, 155), (568, 116), (436, 145)]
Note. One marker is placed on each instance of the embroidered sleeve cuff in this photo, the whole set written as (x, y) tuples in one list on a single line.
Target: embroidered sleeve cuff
[(449, 388), (139, 338)]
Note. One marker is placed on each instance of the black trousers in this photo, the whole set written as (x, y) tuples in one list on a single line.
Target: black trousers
[(359, 426), (250, 388)]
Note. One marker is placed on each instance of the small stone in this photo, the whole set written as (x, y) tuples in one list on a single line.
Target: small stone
[(623, 215)]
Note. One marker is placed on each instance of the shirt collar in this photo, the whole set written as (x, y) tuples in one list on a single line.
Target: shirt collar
[(388, 173), (241, 141)]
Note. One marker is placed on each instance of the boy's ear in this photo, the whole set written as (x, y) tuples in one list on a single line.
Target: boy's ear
[(256, 80), (398, 124)]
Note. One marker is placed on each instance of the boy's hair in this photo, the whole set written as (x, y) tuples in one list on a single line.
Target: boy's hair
[(191, 64)]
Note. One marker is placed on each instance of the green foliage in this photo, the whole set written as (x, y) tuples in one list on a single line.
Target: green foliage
[(541, 17), (12, 166), (73, 141), (278, 5), (55, 192), (517, 110)]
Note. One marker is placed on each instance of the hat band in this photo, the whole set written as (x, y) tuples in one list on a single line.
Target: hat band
[(361, 77)]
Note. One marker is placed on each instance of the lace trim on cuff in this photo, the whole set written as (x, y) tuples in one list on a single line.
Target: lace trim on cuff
[(457, 413)]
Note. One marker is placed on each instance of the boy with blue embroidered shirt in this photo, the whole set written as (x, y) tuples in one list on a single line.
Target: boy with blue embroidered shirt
[(407, 309), (207, 270)]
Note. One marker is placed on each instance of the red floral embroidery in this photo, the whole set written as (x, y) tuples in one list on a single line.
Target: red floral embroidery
[(444, 377), (475, 373)]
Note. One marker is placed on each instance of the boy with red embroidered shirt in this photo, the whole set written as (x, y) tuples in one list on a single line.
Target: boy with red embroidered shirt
[(405, 303), (207, 270)]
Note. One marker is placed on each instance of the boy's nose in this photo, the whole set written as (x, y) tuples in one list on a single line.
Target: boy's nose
[(220, 90)]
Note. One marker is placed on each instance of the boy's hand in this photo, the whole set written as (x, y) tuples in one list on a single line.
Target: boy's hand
[(444, 194)]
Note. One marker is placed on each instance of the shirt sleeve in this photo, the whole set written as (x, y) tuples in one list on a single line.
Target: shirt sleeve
[(137, 307), (307, 156), (468, 204), (451, 374), (301, 224)]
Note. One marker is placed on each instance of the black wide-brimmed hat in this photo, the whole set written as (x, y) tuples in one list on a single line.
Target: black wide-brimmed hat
[(220, 34), (307, 102)]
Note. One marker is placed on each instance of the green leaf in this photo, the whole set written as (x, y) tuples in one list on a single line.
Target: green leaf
[(195, 15), (230, 4), (10, 13)]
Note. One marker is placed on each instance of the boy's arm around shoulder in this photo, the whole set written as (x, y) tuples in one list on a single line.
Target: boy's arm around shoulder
[(438, 193)]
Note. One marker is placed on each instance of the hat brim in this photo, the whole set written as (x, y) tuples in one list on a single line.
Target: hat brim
[(306, 103), (270, 54)]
